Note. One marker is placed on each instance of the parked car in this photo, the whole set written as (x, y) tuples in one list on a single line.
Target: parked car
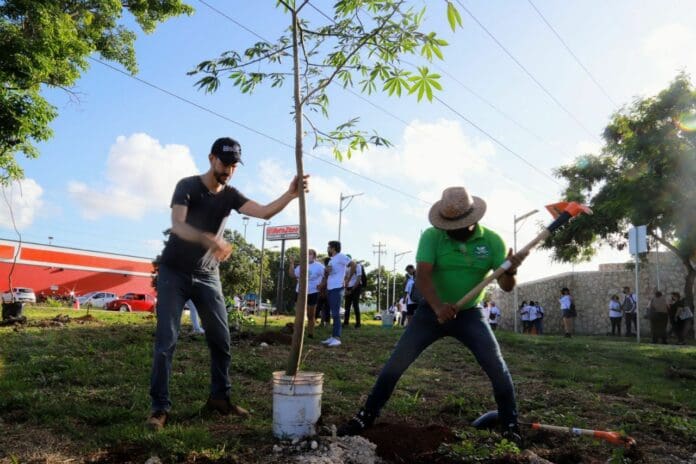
[(96, 299), (22, 294), (132, 302)]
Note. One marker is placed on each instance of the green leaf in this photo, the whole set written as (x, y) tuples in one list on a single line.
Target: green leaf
[(424, 83), (453, 16)]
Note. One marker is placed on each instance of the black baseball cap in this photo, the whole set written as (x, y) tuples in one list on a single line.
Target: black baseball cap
[(228, 150)]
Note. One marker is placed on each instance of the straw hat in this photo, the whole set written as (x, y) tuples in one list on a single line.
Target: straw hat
[(456, 209)]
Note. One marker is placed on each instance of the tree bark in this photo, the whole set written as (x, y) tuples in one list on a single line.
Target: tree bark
[(301, 305)]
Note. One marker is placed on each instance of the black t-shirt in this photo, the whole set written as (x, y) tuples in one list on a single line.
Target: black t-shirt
[(206, 211)]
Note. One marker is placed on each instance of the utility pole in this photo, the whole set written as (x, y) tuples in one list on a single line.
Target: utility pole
[(263, 244), (245, 220), (396, 255), (379, 252), (341, 208)]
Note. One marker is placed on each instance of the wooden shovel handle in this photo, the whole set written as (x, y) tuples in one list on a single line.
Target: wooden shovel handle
[(498, 272)]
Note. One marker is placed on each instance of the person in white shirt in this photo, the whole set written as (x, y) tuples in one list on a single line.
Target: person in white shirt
[(566, 302), (195, 322), (402, 311), (411, 305), (353, 294), (615, 315), (493, 315), (315, 274), (335, 280), (539, 321), (532, 315), (628, 307), (524, 316)]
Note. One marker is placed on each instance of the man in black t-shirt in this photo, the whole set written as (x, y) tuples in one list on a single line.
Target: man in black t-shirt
[(189, 269)]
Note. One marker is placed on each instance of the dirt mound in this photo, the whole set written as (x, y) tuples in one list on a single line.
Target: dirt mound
[(85, 318), (273, 338), (400, 443)]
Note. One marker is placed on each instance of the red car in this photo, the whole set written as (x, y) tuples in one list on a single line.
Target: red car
[(132, 302)]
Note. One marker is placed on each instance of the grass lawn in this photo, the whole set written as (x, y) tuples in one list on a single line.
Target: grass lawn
[(79, 390)]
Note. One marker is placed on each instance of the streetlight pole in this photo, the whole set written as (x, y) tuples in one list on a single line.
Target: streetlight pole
[(263, 244), (396, 255), (379, 252), (516, 219), (341, 208), (245, 220)]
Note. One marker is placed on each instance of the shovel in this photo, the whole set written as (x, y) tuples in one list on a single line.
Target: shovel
[(490, 420), (562, 213)]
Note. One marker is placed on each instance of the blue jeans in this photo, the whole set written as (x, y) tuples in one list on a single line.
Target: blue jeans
[(335, 296), (173, 289), (470, 328)]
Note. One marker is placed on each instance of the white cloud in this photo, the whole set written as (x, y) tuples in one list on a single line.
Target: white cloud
[(25, 198), (140, 176), (431, 157)]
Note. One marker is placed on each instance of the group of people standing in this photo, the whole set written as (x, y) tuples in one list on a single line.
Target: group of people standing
[(328, 285), (661, 312), (532, 317)]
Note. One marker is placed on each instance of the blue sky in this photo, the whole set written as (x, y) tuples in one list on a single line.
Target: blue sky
[(104, 181)]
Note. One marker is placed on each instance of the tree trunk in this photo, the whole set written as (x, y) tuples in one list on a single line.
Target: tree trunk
[(301, 305)]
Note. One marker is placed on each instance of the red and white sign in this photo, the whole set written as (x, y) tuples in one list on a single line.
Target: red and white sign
[(283, 232)]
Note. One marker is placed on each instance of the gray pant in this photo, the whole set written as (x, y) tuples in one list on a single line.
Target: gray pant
[(173, 289)]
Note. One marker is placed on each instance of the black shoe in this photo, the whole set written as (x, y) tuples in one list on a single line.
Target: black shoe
[(357, 423), (512, 434)]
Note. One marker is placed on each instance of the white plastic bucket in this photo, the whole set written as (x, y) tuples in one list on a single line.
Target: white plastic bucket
[(387, 319), (296, 404)]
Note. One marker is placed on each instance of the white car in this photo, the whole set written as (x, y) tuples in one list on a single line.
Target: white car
[(22, 294), (96, 299)]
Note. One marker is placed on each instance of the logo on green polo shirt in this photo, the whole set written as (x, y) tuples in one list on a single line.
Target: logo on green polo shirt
[(481, 251)]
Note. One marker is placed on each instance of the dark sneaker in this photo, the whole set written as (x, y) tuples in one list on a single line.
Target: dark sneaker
[(357, 423), (224, 407), (157, 420), (512, 433)]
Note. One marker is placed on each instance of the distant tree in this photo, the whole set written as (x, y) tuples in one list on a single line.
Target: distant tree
[(644, 175), (240, 274), (158, 258), (47, 43), (361, 44)]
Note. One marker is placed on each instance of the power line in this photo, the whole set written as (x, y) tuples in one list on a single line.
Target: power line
[(449, 107), (496, 140), (577, 60), (526, 71), (255, 131), (461, 84), (221, 13)]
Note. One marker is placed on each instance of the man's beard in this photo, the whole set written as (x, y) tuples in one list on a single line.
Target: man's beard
[(221, 178), (461, 235)]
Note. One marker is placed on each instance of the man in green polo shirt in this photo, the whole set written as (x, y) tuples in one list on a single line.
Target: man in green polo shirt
[(453, 257)]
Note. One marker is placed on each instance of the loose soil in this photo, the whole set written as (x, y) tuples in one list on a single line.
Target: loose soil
[(401, 443)]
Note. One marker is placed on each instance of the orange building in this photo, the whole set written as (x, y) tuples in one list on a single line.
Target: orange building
[(53, 270)]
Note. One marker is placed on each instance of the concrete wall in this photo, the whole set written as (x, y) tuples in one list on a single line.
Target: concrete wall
[(592, 291)]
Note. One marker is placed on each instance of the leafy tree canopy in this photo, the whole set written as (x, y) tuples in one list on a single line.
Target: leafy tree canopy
[(361, 46), (644, 175), (47, 42)]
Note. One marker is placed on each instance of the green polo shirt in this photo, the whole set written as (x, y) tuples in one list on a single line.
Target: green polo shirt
[(460, 266)]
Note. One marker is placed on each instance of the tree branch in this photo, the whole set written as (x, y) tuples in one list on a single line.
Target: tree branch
[(363, 41)]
